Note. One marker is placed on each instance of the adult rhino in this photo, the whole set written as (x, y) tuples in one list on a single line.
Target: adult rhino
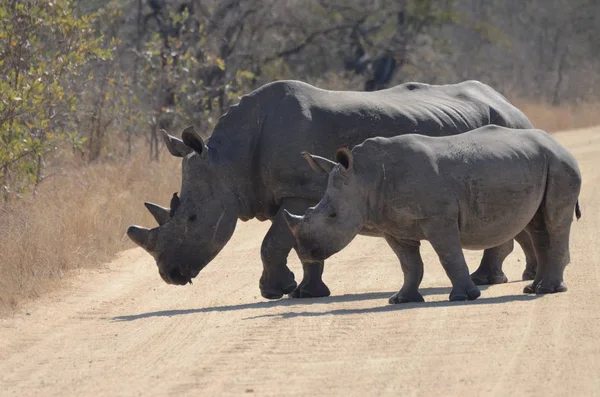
[(251, 168)]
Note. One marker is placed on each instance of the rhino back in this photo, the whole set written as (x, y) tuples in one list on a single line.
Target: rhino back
[(492, 180), (269, 128)]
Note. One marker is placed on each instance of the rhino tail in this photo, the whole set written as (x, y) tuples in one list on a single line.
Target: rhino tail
[(577, 210)]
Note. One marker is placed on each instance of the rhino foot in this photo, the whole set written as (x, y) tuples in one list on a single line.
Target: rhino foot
[(545, 287), (530, 288), (463, 294), (311, 290), (405, 297), (483, 277), (276, 287)]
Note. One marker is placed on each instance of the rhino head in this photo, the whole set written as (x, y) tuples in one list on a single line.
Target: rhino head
[(330, 226), (199, 223)]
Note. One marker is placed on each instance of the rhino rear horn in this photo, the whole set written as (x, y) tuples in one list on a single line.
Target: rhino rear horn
[(293, 221), (192, 139), (175, 145), (318, 163), (159, 213)]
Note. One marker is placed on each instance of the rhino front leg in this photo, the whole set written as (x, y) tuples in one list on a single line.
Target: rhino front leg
[(277, 279), (412, 266), (312, 285), (444, 237)]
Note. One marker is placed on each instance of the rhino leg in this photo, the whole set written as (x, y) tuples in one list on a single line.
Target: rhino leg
[(277, 279), (490, 268), (552, 250), (312, 285), (445, 239), (526, 243), (412, 266)]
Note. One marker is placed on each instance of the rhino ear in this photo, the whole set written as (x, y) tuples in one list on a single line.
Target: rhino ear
[(175, 145), (293, 221), (318, 163), (344, 156), (192, 139), (159, 213)]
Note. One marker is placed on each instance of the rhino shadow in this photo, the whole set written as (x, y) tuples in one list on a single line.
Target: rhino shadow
[(405, 306), (285, 302)]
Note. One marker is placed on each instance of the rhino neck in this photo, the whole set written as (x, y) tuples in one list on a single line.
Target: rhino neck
[(372, 194), (234, 171), (234, 143)]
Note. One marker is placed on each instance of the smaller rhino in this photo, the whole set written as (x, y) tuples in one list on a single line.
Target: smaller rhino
[(474, 190)]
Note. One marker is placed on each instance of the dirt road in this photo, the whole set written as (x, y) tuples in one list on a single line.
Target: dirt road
[(122, 331)]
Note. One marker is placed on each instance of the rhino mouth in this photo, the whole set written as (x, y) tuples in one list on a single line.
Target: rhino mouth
[(179, 270), (179, 275), (174, 276)]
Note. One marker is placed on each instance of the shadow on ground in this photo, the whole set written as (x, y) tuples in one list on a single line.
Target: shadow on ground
[(400, 307), (382, 307)]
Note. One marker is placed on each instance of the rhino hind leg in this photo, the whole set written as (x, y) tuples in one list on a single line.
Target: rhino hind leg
[(553, 255), (526, 243), (312, 285), (490, 268), (412, 266), (551, 245)]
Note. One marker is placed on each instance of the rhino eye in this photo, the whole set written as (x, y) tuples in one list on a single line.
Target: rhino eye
[(332, 215), (192, 218)]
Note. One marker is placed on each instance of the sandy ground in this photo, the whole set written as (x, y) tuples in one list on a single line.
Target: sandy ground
[(121, 331)]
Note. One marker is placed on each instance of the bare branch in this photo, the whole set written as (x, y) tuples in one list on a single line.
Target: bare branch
[(307, 40)]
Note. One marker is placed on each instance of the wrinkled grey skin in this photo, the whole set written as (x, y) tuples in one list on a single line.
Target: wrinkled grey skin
[(475, 190), (250, 168)]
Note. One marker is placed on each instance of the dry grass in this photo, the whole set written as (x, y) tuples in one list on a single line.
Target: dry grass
[(77, 219), (552, 118)]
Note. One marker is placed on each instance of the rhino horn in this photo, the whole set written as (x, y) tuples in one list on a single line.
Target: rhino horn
[(192, 139), (175, 145), (159, 213), (293, 221), (318, 163), (140, 236)]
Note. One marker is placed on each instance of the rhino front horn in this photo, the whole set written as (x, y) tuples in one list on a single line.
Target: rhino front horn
[(159, 213), (139, 235), (293, 221)]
